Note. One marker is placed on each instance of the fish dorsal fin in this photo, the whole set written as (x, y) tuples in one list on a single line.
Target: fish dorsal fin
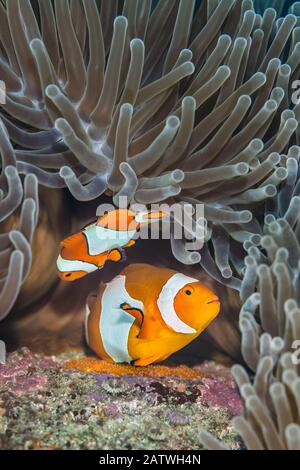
[(89, 306)]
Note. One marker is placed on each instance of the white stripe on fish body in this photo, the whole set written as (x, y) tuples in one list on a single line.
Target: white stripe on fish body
[(115, 323), (165, 303), (102, 239), (67, 265)]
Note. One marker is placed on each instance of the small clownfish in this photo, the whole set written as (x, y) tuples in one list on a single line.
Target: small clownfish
[(103, 240), (147, 313)]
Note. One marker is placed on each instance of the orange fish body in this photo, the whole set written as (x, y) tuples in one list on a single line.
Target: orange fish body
[(147, 313), (88, 250)]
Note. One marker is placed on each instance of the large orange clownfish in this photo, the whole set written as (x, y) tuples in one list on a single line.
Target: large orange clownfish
[(89, 249), (147, 313)]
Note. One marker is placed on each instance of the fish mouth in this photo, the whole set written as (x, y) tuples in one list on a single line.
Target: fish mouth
[(216, 300)]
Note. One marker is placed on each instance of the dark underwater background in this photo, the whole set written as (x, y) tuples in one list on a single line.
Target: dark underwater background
[(288, 3)]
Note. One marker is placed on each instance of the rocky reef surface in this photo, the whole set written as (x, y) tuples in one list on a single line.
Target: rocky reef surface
[(74, 401)]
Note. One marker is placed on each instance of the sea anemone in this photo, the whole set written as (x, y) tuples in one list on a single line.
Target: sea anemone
[(270, 327), (155, 104)]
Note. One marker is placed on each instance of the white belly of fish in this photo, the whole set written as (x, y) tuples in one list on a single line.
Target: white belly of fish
[(115, 323), (101, 239)]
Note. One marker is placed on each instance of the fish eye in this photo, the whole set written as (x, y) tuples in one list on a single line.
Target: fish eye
[(68, 275), (188, 290)]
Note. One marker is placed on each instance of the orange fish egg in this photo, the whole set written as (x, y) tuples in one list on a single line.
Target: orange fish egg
[(146, 314)]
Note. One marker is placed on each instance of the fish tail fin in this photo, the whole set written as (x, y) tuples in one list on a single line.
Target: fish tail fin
[(149, 217), (129, 244), (156, 215)]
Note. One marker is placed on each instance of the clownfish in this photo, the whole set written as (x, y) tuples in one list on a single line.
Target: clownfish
[(89, 249), (147, 313)]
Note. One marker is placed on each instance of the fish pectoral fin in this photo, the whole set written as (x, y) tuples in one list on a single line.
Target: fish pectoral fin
[(135, 312), (100, 260), (129, 244), (115, 255)]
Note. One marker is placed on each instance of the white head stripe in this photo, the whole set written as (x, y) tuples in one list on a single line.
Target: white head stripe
[(165, 303), (115, 323), (102, 239), (67, 265)]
